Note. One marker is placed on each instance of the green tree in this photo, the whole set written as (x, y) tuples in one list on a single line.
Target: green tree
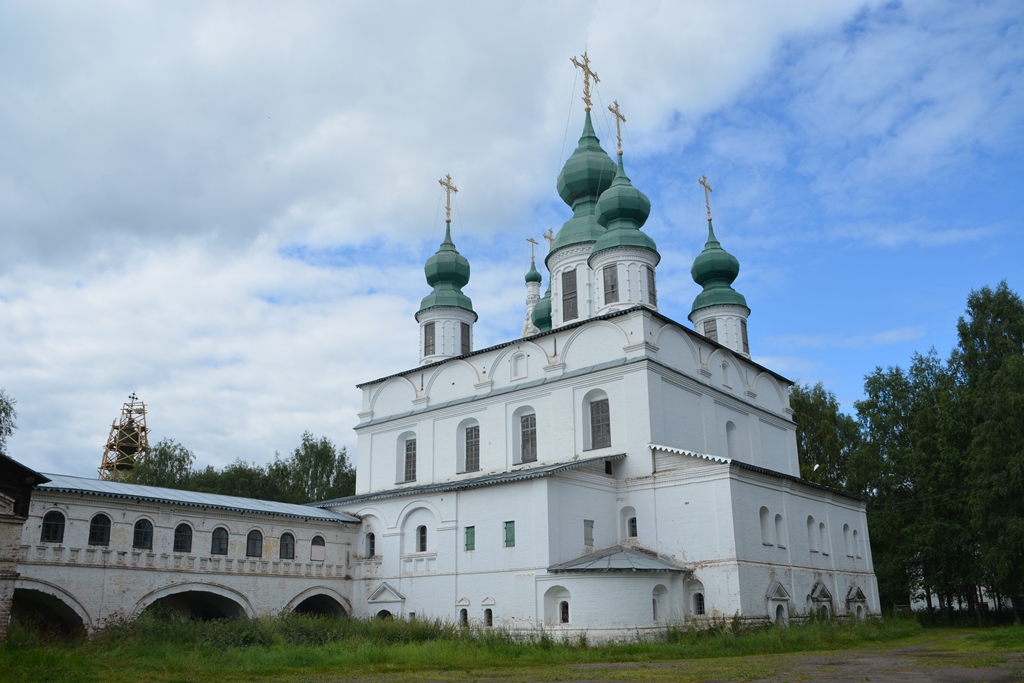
[(167, 464), (825, 437), (7, 418), (990, 358), (320, 471)]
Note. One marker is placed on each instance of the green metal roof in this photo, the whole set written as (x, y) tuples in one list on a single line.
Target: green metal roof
[(622, 209), (447, 272), (542, 312), (715, 269), (533, 275), (587, 173)]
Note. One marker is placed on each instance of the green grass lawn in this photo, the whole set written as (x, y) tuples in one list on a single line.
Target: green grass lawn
[(297, 648)]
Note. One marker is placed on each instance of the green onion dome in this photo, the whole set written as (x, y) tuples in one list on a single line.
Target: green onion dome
[(622, 209), (533, 275), (587, 173), (715, 269), (541, 317), (447, 272)]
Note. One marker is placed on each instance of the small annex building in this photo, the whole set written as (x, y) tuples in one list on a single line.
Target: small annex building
[(611, 470)]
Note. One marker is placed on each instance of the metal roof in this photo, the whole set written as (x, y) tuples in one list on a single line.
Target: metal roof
[(156, 494), (618, 559), (755, 468), (474, 482)]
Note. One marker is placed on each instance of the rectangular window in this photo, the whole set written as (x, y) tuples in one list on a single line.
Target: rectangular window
[(464, 333), (428, 339), (743, 334), (473, 448), (569, 308), (470, 538), (611, 284), (528, 436), (711, 330), (600, 424), (652, 291), (410, 460), (510, 534), (588, 532)]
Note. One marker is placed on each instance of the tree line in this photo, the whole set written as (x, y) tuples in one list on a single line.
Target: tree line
[(317, 470), (937, 449)]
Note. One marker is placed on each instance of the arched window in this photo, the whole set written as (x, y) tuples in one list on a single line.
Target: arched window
[(597, 418), (781, 615), (731, 442), (318, 549), (519, 366), (421, 539), (812, 534), (183, 538), (659, 598), (371, 544), (53, 527), (856, 543), (823, 538), (847, 538), (99, 530), (287, 547), (143, 538), (780, 532), (254, 544), (524, 435), (631, 524), (219, 544), (468, 446), (463, 617), (563, 612), (488, 617), (698, 604), (766, 527)]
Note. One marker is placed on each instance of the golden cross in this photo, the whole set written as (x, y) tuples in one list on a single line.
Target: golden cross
[(588, 73), (550, 237), (449, 187), (533, 243), (707, 189), (619, 120)]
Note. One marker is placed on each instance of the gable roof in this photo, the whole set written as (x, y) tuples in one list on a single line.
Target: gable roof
[(157, 494), (618, 559), (521, 474)]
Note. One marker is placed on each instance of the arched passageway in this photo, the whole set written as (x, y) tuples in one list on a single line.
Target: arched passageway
[(320, 604), (41, 611), (196, 604)]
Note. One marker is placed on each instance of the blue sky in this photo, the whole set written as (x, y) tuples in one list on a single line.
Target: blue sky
[(225, 207)]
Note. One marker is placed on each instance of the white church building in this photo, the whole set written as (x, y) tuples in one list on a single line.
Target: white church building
[(610, 471)]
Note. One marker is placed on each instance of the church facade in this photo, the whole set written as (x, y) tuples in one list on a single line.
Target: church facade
[(612, 470)]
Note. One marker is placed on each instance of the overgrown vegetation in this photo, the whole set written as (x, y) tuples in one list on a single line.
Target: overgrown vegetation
[(304, 647)]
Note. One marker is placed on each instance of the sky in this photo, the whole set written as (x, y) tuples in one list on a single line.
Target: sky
[(225, 207)]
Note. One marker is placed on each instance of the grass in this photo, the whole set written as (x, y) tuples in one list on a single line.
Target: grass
[(305, 648)]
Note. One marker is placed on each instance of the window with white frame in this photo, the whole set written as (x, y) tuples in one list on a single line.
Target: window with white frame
[(410, 460), (528, 438), (570, 309), (652, 291), (428, 339), (464, 338), (600, 424), (610, 274), (472, 445)]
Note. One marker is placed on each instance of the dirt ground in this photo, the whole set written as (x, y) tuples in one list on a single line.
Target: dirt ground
[(922, 661)]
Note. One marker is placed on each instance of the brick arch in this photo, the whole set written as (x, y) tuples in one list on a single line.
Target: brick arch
[(317, 591), (56, 592), (193, 587)]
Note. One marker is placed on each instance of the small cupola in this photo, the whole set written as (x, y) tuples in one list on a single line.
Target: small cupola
[(446, 315), (719, 312)]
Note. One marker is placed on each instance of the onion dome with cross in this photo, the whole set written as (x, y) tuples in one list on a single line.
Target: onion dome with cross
[(446, 315), (719, 312)]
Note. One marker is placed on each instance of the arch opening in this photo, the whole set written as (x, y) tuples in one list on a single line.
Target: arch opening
[(321, 605), (195, 605), (45, 614)]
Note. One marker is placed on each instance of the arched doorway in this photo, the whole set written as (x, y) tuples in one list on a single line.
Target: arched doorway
[(321, 605), (195, 604)]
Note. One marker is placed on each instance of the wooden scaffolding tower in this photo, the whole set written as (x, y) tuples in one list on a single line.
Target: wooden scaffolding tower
[(129, 436)]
